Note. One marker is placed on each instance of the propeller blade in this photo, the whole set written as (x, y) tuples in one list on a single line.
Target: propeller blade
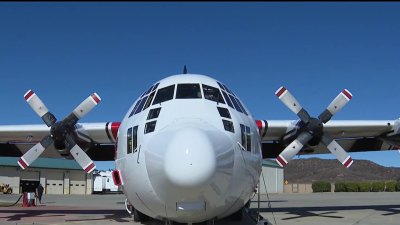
[(40, 109), (82, 109), (33, 153), (290, 101), (293, 148), (80, 156), (338, 151), (336, 105)]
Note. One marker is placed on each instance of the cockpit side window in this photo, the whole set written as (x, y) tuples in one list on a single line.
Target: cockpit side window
[(132, 139), (229, 91), (241, 106), (155, 87), (134, 108), (224, 112), (129, 140), (164, 94), (233, 99), (246, 137), (149, 100), (150, 127), (221, 86), (139, 108), (227, 99), (142, 101), (153, 113), (213, 94), (185, 91), (150, 89)]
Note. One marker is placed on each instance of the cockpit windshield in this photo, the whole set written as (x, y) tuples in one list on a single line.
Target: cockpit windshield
[(185, 91), (213, 94), (164, 94)]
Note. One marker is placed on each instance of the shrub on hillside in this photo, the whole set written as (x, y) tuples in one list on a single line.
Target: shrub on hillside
[(321, 186), (340, 187), (378, 186), (351, 187), (398, 186), (390, 186), (364, 187)]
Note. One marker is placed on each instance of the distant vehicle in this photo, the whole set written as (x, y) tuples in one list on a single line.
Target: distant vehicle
[(103, 183)]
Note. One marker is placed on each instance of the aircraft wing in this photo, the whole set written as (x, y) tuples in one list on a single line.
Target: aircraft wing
[(352, 135), (97, 139)]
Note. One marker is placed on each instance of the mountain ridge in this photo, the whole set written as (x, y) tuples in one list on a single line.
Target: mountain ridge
[(315, 169)]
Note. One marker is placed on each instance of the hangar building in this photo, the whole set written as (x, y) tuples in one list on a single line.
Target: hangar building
[(273, 176), (57, 176), (62, 176)]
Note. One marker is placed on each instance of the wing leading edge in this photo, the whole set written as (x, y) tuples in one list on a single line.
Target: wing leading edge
[(97, 139), (352, 135)]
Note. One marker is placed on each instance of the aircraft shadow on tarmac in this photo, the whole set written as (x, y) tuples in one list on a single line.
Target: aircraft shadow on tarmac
[(325, 210), (108, 214), (120, 215), (98, 214)]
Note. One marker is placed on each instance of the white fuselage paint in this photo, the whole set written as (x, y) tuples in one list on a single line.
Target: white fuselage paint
[(189, 169)]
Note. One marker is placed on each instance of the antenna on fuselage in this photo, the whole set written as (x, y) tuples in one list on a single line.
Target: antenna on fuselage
[(184, 69)]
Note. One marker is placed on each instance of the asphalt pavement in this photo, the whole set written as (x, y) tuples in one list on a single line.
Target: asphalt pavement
[(280, 209)]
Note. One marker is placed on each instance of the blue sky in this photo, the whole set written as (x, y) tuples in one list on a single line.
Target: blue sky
[(65, 51)]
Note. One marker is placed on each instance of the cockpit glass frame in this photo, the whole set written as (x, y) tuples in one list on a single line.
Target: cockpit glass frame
[(142, 102), (164, 94), (188, 91), (212, 93), (150, 98)]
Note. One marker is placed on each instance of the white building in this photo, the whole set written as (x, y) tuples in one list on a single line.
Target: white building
[(273, 177), (57, 176)]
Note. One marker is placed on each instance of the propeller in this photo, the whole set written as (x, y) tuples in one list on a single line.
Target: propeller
[(61, 132), (311, 128)]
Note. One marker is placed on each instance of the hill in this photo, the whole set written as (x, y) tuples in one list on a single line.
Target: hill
[(313, 169)]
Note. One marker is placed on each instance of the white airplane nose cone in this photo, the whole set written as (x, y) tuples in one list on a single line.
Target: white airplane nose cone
[(190, 159)]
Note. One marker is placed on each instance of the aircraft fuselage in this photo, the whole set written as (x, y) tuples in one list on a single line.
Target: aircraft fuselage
[(188, 151)]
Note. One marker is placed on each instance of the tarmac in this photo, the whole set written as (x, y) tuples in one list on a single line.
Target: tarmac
[(281, 209)]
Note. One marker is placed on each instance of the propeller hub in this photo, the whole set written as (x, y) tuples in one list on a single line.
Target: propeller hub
[(59, 131), (315, 127)]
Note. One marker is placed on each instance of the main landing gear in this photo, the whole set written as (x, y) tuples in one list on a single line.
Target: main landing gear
[(136, 214)]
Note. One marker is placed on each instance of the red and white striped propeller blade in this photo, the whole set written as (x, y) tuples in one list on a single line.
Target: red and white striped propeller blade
[(338, 151), (88, 104), (293, 148), (39, 107), (290, 101), (336, 105), (79, 155), (83, 159), (32, 154)]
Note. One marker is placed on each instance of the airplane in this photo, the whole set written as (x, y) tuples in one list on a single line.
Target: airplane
[(188, 150)]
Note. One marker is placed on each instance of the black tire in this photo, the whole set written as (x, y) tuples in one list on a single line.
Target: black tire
[(237, 216), (202, 223), (138, 216), (247, 204)]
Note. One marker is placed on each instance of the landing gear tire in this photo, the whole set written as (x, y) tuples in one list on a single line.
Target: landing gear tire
[(202, 223), (138, 216), (237, 216), (247, 204)]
